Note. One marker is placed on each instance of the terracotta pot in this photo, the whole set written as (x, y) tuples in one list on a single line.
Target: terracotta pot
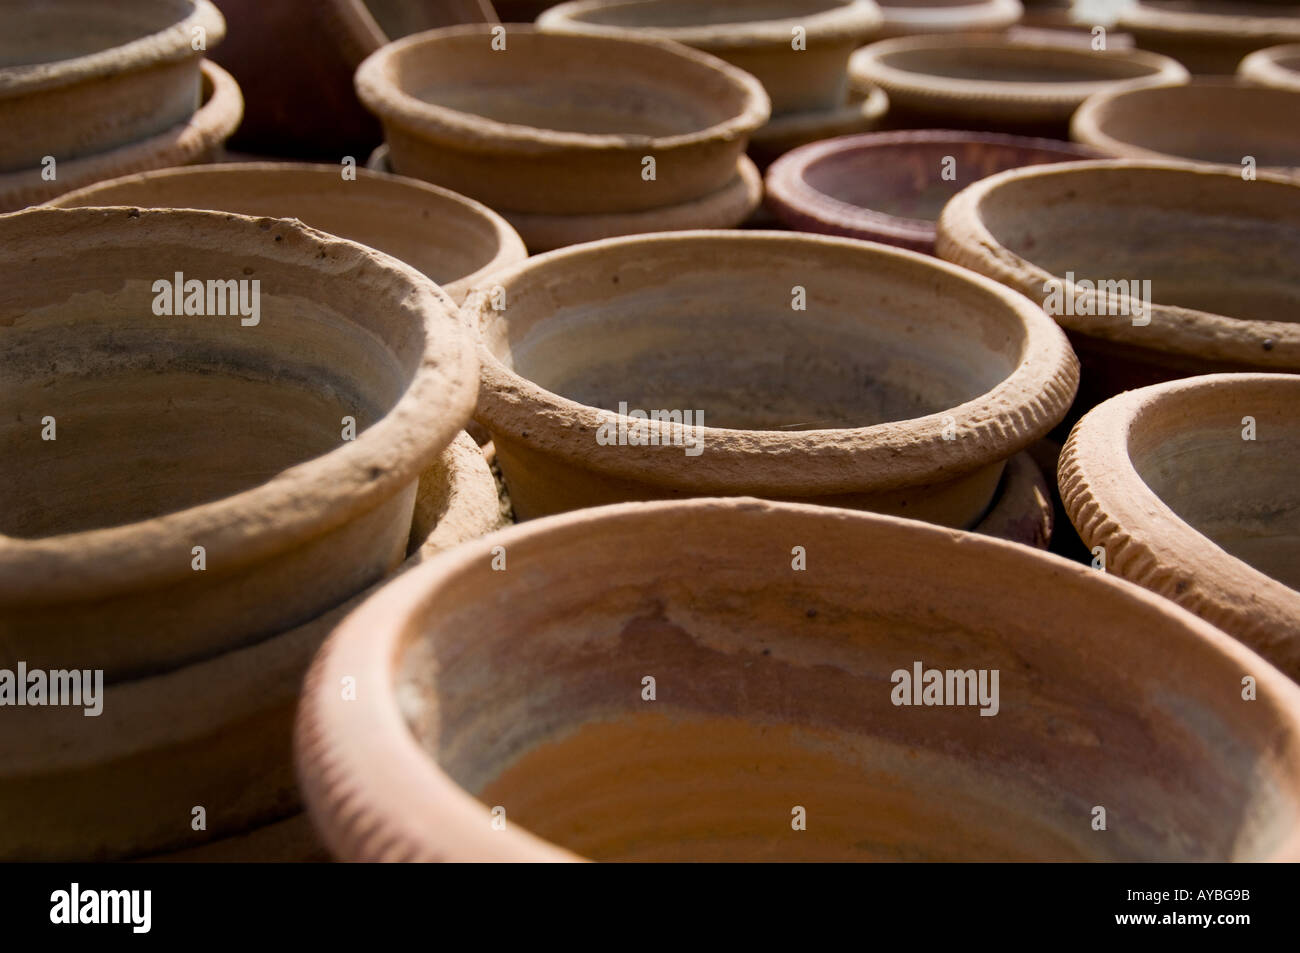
[(505, 715), (197, 140), (1049, 15), (756, 35), (871, 397), (890, 187), (216, 733), (1277, 66), (221, 432), (985, 81), (110, 78), (1220, 254), (1211, 36), (1165, 479), (1022, 510), (783, 133), (910, 17), (454, 240), (561, 125), (727, 208), (1231, 121), (290, 841)]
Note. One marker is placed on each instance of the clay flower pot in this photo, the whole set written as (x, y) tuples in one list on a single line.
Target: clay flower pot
[(759, 36), (1231, 121), (987, 81), (870, 396), (1277, 66), (454, 240), (1221, 255), (183, 484), (909, 17), (890, 187), (787, 132), (1211, 36), (109, 79), (561, 125), (1190, 488), (199, 139), (605, 698)]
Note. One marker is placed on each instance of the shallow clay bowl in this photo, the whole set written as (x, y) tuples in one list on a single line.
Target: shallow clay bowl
[(1211, 36), (1222, 255), (523, 696), (756, 35), (1228, 122), (1164, 479), (454, 240), (890, 186), (909, 17), (987, 81), (561, 124), (216, 733), (1277, 66), (783, 133), (176, 432), (903, 385)]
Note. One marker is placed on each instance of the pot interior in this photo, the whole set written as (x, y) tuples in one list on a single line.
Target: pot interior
[(1011, 64), (774, 690), (1281, 9), (54, 30), (666, 14), (707, 323)]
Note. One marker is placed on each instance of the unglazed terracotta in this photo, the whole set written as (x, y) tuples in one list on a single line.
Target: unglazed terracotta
[(758, 36), (1277, 66), (134, 437), (1228, 121), (1211, 36), (1190, 488), (862, 113), (197, 140), (890, 186), (1222, 255), (214, 733), (290, 841), (902, 385), (454, 240), (561, 125), (1022, 510), (987, 81), (507, 715), (910, 17)]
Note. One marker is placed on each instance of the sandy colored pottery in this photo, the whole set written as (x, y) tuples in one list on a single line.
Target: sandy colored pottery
[(79, 78), (910, 17), (1221, 255), (197, 140), (1022, 509), (216, 733), (891, 186), (986, 81), (1211, 36), (1190, 488), (1277, 66), (605, 698), (813, 368), (178, 485), (1229, 121), (782, 133), (762, 37), (454, 240), (561, 125)]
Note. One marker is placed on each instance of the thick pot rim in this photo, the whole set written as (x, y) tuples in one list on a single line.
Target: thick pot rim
[(1263, 67)]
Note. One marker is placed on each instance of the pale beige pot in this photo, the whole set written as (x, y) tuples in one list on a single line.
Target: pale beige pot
[(561, 125), (176, 432), (81, 77), (903, 385), (521, 697), (1165, 480), (864, 112), (910, 17), (215, 734), (758, 36), (198, 139), (454, 240), (1211, 36), (1277, 66), (1222, 255)]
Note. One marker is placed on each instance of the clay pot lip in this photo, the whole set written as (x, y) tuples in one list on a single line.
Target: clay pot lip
[(168, 44), (1264, 67), (1193, 24), (301, 502), (379, 92), (1019, 409), (974, 15), (964, 239), (843, 21), (789, 191), (510, 247), (369, 785), (806, 122)]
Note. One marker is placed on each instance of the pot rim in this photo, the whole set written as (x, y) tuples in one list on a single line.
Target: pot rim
[(465, 130), (1200, 24), (1263, 68), (301, 502), (170, 44), (964, 239), (1019, 409), (369, 786), (808, 122), (988, 15)]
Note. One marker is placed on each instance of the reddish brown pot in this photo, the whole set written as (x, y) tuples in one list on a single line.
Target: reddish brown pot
[(890, 187), (1211, 36), (1277, 66)]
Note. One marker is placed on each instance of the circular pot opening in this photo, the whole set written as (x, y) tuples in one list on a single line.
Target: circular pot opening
[(56, 30), (669, 14), (1004, 63)]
